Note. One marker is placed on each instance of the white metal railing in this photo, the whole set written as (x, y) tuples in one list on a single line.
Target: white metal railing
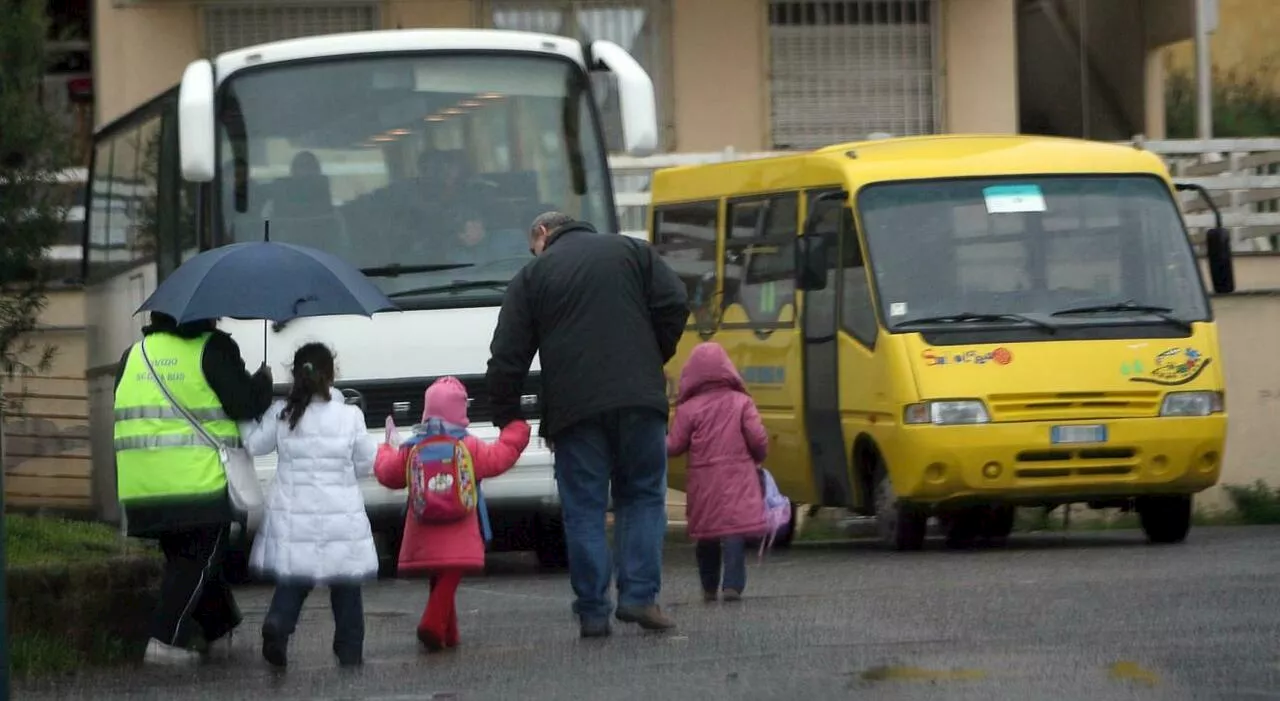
[(1242, 176)]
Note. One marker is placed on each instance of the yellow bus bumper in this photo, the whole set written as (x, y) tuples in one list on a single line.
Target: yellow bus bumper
[(1015, 462)]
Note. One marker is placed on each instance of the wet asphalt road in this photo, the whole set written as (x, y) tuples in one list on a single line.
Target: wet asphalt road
[(1085, 616)]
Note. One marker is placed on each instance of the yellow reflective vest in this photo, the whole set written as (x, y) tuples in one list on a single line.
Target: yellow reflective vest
[(158, 453)]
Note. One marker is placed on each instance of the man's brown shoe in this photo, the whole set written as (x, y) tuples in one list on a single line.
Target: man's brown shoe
[(648, 617)]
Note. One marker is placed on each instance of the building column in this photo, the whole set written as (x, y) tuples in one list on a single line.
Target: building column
[(980, 66)]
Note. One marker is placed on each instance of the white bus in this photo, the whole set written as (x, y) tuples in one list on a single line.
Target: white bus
[(347, 143)]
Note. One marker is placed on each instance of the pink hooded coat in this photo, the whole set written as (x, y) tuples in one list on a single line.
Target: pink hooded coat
[(457, 545), (717, 424)]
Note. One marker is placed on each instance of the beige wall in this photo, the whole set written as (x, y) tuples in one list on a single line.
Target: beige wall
[(416, 14), (980, 64), (139, 52), (720, 54)]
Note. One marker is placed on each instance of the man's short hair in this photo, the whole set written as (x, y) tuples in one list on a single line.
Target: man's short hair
[(551, 220)]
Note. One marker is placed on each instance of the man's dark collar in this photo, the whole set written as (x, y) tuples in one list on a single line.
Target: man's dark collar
[(568, 228)]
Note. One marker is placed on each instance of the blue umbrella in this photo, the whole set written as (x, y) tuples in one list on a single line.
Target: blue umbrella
[(266, 280)]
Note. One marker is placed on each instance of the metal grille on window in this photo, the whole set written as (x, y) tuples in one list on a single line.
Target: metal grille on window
[(230, 27), (842, 71), (635, 25)]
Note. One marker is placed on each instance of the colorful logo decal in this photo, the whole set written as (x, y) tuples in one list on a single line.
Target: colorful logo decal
[(1176, 366), (999, 356)]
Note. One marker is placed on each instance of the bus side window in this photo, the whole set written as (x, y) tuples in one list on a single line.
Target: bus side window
[(685, 237), (760, 257), (857, 314)]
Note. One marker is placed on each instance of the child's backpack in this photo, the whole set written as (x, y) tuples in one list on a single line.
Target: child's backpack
[(777, 511), (440, 474)]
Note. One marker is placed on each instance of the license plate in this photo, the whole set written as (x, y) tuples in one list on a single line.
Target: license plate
[(1078, 434)]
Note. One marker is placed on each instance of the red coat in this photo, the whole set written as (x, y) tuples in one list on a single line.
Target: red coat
[(457, 545), (717, 424)]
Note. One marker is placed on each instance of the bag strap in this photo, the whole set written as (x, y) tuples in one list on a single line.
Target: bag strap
[(195, 424)]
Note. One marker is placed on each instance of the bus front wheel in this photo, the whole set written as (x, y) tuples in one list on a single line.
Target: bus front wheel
[(901, 525), (1165, 519)]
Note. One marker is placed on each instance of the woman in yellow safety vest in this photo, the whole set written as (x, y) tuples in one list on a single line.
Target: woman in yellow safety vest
[(171, 484)]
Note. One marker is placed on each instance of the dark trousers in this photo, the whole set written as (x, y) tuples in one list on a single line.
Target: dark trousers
[(193, 592), (348, 615), (623, 453), (732, 552)]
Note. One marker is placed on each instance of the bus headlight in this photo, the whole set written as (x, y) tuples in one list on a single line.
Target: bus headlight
[(947, 413), (1191, 404)]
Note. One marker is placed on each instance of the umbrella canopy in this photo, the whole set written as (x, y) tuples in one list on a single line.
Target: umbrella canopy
[(266, 280)]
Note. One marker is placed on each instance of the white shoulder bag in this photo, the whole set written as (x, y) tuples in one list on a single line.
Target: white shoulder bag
[(243, 487)]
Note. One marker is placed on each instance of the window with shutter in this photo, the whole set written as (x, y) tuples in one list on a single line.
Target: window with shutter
[(841, 71), (235, 26)]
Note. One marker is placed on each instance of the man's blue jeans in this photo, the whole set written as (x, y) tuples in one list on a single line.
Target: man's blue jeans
[(629, 448)]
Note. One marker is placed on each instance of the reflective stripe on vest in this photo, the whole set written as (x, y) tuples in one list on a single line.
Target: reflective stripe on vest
[(193, 440), (159, 454), (168, 412)]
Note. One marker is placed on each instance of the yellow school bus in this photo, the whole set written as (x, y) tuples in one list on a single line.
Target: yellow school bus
[(954, 326)]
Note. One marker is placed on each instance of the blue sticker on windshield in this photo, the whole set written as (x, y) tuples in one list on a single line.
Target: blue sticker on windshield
[(1013, 199)]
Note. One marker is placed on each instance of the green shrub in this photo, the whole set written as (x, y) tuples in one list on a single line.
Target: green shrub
[(32, 540), (1243, 107), (1257, 503)]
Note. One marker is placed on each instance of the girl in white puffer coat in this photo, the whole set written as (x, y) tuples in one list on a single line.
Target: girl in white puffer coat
[(314, 529)]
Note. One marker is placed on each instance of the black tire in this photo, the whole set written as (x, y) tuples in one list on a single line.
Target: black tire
[(901, 526), (1165, 519), (785, 540), (549, 544), (997, 523), (389, 554), (962, 527)]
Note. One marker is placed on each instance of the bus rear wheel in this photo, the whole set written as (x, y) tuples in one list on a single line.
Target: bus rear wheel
[(1165, 519), (901, 525)]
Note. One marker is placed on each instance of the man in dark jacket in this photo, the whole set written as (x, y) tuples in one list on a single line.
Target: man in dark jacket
[(604, 313), (171, 483)]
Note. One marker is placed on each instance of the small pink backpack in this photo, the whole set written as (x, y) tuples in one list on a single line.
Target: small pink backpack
[(440, 475)]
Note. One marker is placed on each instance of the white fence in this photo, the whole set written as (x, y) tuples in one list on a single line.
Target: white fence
[(1242, 176)]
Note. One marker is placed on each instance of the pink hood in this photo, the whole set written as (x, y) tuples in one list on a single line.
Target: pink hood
[(446, 399), (708, 368)]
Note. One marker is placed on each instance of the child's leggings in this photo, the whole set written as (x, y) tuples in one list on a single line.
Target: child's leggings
[(440, 618)]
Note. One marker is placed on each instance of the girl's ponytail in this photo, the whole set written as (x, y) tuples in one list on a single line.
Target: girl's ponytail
[(313, 376)]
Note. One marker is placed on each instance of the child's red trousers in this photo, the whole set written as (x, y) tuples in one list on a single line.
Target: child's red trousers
[(439, 625)]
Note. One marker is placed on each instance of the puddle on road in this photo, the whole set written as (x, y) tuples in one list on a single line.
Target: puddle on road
[(904, 673), (1126, 670)]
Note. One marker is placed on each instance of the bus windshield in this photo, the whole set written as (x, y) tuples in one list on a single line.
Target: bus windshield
[(425, 171), (1043, 251)]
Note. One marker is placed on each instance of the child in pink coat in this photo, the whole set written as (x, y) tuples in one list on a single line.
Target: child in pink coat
[(717, 424), (447, 550)]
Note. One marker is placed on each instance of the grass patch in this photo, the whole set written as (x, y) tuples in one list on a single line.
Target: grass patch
[(31, 541), (43, 654)]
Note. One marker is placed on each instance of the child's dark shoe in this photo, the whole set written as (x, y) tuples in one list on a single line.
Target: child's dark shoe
[(594, 628), (731, 595), (709, 597), (275, 646)]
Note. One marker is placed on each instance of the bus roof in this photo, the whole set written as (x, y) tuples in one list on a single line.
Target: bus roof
[(395, 41), (854, 165)]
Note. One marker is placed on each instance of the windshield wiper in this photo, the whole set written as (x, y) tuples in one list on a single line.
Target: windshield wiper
[(396, 269), (455, 286), (1127, 306), (970, 317)]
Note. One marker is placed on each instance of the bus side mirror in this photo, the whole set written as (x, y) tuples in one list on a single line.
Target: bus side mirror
[(811, 262), (1217, 243), (635, 96), (195, 122)]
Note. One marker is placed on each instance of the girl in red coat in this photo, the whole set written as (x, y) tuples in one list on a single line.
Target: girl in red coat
[(447, 550)]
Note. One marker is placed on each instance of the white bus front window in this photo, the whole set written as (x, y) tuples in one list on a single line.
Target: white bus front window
[(435, 164)]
